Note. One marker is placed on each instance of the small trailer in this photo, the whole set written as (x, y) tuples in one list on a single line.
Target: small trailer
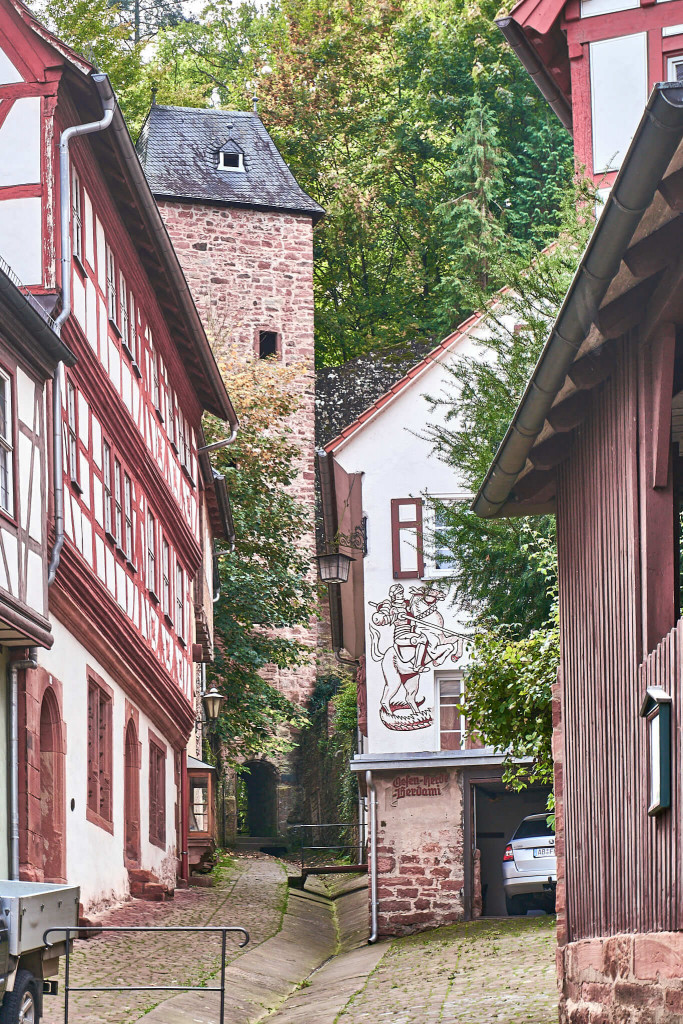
[(27, 911)]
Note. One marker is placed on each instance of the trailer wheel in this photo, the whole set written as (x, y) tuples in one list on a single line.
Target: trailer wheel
[(22, 1004)]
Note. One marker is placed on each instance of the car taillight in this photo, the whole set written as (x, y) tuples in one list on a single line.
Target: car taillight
[(508, 855)]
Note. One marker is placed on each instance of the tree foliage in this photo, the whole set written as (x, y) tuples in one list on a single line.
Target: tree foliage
[(493, 574), (394, 115), (266, 586)]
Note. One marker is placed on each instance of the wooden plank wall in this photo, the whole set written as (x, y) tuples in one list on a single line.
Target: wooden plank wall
[(622, 867)]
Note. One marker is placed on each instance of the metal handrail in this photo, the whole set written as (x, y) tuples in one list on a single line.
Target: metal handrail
[(65, 934), (359, 826)]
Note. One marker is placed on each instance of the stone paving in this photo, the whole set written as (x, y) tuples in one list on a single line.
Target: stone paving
[(249, 891), (488, 972)]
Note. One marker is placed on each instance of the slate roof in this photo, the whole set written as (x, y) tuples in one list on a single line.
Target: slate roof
[(343, 393), (179, 146)]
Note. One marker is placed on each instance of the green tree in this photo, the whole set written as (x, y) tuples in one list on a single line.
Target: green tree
[(493, 574), (266, 584)]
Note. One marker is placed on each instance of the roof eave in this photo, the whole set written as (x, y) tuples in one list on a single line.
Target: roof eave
[(654, 144), (40, 330), (174, 197), (537, 71)]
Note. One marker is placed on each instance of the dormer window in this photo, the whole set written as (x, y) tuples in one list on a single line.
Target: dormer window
[(230, 158)]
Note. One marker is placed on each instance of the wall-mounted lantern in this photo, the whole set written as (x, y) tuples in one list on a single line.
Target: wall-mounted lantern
[(656, 710), (334, 567), (212, 701)]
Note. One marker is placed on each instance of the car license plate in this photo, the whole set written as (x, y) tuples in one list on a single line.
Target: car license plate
[(544, 851)]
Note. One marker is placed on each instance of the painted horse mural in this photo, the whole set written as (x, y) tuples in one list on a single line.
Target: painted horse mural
[(419, 643)]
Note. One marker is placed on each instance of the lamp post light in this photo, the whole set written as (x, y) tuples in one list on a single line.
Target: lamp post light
[(334, 567), (212, 701)]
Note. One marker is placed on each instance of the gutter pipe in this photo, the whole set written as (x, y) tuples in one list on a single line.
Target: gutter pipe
[(539, 74), (372, 812), (650, 153), (108, 105), (13, 670)]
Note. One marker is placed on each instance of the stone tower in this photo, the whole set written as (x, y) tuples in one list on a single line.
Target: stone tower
[(243, 231)]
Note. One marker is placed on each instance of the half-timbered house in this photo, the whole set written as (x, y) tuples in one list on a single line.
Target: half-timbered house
[(30, 351), (597, 440), (436, 797), (133, 502)]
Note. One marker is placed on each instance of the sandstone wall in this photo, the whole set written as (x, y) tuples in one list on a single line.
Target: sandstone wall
[(625, 979), (420, 861), (250, 271)]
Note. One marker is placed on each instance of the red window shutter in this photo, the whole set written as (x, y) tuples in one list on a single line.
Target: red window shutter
[(93, 749), (406, 538)]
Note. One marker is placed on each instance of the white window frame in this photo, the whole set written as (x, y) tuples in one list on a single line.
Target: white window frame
[(180, 600), (72, 432), (431, 570), (112, 288), (118, 504), (7, 449), (439, 679), (124, 322), (76, 216), (151, 553), (222, 166), (128, 516), (671, 65), (107, 488), (165, 577)]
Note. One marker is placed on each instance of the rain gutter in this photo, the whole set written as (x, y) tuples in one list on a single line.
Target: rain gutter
[(543, 80), (654, 144), (372, 812)]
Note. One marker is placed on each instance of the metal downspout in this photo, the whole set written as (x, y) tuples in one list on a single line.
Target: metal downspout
[(13, 674), (372, 811), (108, 105)]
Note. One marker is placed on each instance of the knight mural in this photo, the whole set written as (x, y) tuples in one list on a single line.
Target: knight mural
[(419, 642)]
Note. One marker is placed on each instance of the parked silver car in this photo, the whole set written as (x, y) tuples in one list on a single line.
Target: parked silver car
[(530, 867)]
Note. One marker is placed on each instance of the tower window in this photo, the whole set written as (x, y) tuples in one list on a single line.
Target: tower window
[(230, 161), (267, 344)]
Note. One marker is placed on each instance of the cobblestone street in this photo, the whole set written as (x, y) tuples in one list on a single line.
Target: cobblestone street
[(491, 972), (250, 892)]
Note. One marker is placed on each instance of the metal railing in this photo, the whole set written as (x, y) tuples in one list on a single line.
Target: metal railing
[(66, 934), (314, 841)]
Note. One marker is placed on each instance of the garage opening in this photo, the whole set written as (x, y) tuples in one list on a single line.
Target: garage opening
[(497, 812)]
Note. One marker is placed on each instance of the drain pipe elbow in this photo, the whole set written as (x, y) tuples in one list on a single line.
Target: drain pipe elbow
[(108, 107), (372, 811), (13, 670)]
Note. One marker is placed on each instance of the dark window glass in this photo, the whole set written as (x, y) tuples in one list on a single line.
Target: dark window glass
[(535, 827), (267, 344)]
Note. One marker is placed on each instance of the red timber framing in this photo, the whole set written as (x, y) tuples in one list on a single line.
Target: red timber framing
[(163, 343)]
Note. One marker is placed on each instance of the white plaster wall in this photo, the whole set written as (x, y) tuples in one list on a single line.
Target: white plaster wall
[(4, 765), (397, 463), (20, 143), (8, 72), (21, 238), (94, 856), (618, 70)]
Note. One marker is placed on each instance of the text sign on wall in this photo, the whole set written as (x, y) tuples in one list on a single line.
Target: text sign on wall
[(417, 785)]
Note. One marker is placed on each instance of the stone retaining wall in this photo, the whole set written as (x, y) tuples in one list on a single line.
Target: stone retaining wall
[(623, 979)]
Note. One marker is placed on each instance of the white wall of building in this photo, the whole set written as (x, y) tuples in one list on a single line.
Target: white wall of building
[(397, 462), (94, 857)]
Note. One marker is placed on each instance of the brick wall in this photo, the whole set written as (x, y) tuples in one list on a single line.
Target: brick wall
[(251, 270), (420, 861), (622, 980)]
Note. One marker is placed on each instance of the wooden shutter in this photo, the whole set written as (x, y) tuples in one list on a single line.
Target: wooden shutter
[(406, 538), (93, 749)]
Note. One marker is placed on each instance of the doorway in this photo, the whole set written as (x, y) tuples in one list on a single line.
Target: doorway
[(52, 811), (257, 800), (131, 795), (496, 813)]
